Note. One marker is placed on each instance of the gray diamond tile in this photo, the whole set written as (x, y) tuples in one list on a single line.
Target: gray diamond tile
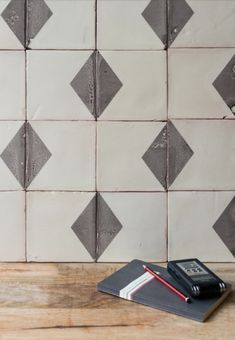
[(84, 83), (96, 84), (155, 15), (179, 13), (179, 153), (14, 155), (108, 85), (156, 157), (225, 84), (38, 13), (85, 228), (14, 16), (37, 155), (225, 227), (108, 226)]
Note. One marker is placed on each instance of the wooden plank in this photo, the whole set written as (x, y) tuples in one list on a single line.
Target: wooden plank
[(59, 301)]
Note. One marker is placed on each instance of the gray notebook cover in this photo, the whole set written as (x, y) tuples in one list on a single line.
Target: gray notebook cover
[(132, 282)]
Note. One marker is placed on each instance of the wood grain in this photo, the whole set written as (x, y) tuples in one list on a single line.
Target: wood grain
[(59, 301)]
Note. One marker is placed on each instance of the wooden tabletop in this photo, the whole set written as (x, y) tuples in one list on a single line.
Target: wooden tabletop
[(60, 301)]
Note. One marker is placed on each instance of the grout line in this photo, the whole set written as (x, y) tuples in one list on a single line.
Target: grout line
[(167, 190), (113, 50), (96, 27), (26, 229), (202, 190), (96, 155), (134, 192), (11, 190), (13, 120), (25, 121), (26, 126), (167, 226), (59, 120), (96, 133), (202, 48), (95, 112), (57, 49), (119, 49), (57, 190), (13, 50), (25, 24), (167, 134), (96, 192), (96, 228), (132, 121), (225, 118), (89, 49), (25, 150), (117, 192), (122, 121), (25, 87)]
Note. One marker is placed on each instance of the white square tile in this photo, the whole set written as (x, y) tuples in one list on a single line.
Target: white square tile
[(141, 221), (50, 95), (64, 24), (121, 147), (121, 25), (191, 77), (12, 85), (50, 217), (12, 155), (212, 162), (142, 95), (192, 216), (69, 155), (12, 24), (12, 227), (212, 23)]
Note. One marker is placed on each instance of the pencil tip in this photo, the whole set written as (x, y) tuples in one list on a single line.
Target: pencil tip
[(144, 266)]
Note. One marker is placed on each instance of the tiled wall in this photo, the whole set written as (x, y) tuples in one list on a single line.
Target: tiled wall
[(117, 137)]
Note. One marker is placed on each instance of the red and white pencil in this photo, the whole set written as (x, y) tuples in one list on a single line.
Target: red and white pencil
[(159, 278)]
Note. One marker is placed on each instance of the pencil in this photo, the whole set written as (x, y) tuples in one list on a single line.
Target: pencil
[(159, 278)]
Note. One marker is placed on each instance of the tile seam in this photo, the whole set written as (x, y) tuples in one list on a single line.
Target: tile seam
[(26, 115)]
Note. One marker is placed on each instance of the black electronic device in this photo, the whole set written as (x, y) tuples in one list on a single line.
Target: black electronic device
[(196, 278)]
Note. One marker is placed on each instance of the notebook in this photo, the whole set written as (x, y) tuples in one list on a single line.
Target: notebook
[(132, 282)]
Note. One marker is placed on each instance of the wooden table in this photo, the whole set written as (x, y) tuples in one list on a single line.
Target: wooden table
[(59, 301)]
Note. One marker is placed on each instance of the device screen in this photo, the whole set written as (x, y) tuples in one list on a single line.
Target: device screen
[(194, 270)]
